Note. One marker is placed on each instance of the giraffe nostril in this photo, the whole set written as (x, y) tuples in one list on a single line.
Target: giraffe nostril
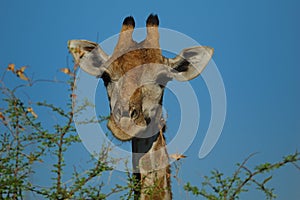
[(117, 114), (134, 114), (148, 120)]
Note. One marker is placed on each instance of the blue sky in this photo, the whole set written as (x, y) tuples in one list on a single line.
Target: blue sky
[(256, 50)]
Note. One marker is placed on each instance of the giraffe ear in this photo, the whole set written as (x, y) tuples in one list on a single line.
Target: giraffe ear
[(190, 62), (89, 56)]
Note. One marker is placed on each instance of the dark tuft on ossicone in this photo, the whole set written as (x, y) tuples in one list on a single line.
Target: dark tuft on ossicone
[(152, 20), (129, 21)]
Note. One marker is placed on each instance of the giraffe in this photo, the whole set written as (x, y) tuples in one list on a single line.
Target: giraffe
[(135, 76)]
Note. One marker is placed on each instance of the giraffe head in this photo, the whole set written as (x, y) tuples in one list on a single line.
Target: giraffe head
[(135, 76)]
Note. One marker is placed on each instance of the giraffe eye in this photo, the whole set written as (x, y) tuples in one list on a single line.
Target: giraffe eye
[(134, 114)]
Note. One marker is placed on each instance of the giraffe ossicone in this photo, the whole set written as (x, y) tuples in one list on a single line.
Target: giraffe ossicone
[(135, 76)]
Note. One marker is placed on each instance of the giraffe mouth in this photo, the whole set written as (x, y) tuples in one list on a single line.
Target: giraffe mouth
[(125, 129)]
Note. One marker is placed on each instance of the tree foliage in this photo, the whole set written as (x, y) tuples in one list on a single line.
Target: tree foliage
[(217, 186)]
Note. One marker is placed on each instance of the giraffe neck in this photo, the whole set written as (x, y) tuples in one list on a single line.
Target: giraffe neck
[(151, 168)]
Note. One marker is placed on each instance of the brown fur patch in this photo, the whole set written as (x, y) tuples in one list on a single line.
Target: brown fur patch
[(132, 59)]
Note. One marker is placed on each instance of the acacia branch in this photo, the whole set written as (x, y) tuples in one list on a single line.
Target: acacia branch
[(259, 170)]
